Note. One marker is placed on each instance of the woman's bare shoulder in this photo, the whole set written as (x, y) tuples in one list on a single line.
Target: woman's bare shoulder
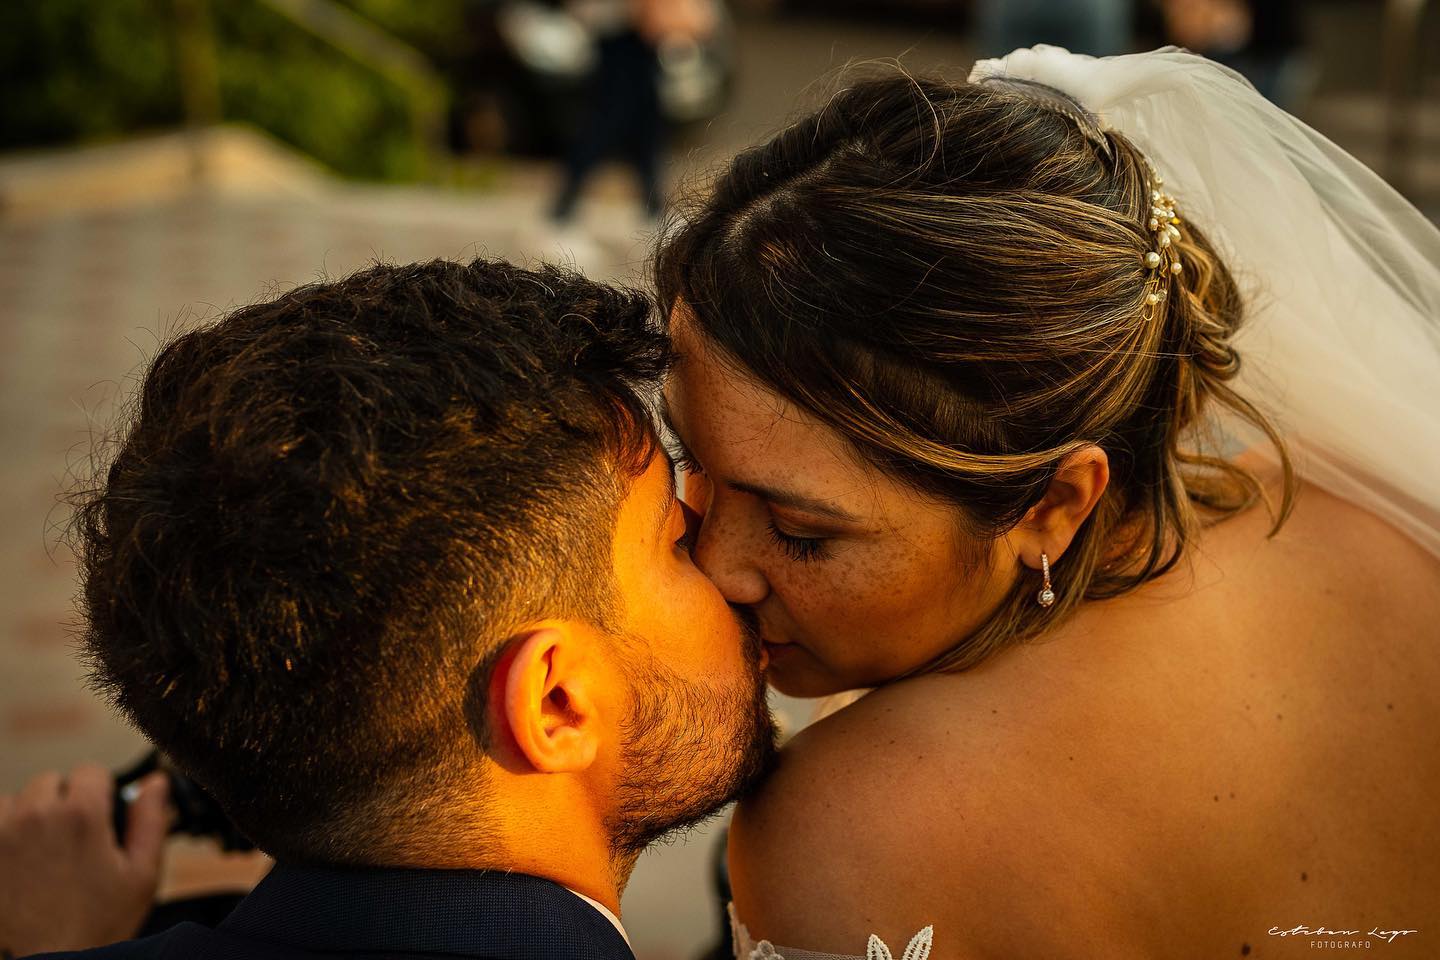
[(875, 823), (830, 776), (814, 852)]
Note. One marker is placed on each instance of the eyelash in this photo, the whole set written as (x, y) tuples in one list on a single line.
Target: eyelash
[(801, 549), (682, 460)]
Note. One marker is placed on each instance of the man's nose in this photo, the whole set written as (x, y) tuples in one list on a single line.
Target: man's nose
[(723, 554)]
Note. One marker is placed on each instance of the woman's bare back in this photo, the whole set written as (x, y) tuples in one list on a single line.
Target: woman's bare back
[(1247, 746)]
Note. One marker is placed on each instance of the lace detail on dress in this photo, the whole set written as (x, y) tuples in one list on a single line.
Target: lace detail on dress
[(918, 949), (747, 948)]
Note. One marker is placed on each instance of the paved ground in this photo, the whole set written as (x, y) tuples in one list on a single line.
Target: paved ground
[(87, 291)]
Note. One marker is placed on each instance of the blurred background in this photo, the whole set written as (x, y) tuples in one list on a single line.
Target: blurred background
[(164, 160)]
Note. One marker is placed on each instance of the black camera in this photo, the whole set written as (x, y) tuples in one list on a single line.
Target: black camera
[(196, 812)]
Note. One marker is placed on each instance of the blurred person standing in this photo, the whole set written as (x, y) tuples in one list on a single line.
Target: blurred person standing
[(1100, 28), (625, 119), (1264, 41)]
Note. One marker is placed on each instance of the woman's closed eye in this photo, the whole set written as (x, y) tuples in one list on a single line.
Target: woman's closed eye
[(801, 549), (796, 547)]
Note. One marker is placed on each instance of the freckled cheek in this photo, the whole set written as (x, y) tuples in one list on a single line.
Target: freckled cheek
[(852, 618), (736, 536)]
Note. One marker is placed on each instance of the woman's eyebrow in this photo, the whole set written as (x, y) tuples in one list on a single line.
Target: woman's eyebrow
[(795, 501), (784, 498)]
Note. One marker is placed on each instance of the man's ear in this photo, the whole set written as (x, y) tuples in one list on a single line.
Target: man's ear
[(1074, 491), (547, 697)]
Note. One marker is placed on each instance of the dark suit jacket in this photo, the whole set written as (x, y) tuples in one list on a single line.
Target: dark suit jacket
[(306, 913)]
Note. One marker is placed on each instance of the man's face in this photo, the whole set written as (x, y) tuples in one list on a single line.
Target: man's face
[(699, 731)]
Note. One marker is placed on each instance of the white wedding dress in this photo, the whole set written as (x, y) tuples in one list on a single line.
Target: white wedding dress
[(1341, 349)]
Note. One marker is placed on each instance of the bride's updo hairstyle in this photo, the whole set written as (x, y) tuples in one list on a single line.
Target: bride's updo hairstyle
[(953, 276)]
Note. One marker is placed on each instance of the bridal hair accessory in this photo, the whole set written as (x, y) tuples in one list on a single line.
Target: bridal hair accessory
[(1165, 225), (1058, 101), (1162, 220), (1046, 596), (1341, 273)]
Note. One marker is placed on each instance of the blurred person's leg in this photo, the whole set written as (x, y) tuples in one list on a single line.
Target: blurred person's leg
[(584, 155), (647, 135), (624, 79)]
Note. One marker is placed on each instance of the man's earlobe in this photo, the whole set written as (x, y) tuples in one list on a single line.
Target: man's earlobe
[(547, 699)]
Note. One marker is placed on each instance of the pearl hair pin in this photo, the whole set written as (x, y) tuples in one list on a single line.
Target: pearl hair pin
[(1164, 223)]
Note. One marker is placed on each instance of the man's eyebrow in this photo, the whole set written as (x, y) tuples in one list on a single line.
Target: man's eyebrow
[(663, 408), (671, 495)]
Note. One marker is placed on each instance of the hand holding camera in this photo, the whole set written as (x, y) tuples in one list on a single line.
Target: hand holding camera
[(69, 881)]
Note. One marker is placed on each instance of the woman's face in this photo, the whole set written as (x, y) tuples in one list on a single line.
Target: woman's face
[(854, 577)]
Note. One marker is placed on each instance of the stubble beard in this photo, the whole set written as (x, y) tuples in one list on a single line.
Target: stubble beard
[(690, 748)]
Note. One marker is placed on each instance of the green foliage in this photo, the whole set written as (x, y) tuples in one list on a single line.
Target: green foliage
[(438, 27), (82, 70), (284, 80)]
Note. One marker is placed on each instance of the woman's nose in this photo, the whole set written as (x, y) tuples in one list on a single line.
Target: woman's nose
[(723, 554)]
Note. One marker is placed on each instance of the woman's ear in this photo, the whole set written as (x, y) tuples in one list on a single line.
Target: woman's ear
[(1074, 491), (547, 698)]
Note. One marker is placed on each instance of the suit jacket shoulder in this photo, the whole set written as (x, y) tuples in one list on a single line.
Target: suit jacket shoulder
[(309, 913)]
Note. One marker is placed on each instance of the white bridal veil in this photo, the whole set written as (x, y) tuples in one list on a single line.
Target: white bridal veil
[(1342, 344)]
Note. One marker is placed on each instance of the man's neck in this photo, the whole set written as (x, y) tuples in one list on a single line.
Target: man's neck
[(571, 847), (594, 873)]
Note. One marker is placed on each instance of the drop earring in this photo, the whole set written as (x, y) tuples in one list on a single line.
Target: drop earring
[(1046, 596)]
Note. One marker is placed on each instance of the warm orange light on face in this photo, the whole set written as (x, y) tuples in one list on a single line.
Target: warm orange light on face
[(667, 600), (695, 491)]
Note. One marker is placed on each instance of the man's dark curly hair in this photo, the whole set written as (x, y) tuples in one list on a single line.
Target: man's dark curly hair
[(326, 514)]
